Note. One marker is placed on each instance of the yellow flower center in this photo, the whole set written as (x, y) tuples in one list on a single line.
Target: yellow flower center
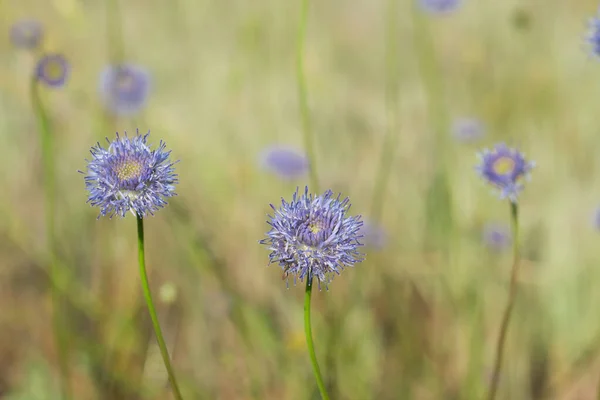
[(314, 228), (504, 166), (128, 170), (54, 70)]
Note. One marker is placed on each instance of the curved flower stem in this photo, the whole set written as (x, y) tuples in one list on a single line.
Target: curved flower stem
[(148, 296), (309, 339), (309, 141), (59, 323), (509, 306)]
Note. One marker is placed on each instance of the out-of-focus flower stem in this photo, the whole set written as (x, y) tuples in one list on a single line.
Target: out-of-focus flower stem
[(307, 132), (509, 306), (59, 323)]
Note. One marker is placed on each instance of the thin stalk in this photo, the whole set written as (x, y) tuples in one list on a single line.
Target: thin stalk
[(309, 339), (391, 107), (59, 323), (510, 304), (309, 140), (114, 31), (148, 296)]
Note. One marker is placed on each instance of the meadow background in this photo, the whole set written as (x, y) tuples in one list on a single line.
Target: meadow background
[(386, 81)]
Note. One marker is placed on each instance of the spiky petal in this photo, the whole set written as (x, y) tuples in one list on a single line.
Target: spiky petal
[(506, 169), (128, 176), (311, 236)]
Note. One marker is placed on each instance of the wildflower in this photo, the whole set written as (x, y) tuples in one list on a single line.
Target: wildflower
[(53, 70), (468, 130), (311, 236), (596, 219), (124, 88), (593, 36), (26, 34), (286, 162), (439, 6), (505, 169), (128, 176), (496, 236)]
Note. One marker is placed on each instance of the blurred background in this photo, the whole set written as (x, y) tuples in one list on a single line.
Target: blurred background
[(401, 97)]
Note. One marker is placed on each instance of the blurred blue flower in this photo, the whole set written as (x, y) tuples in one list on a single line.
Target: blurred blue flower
[(53, 70), (311, 236), (124, 88), (596, 219), (504, 168), (439, 6), (286, 162), (593, 36), (26, 34), (468, 130), (128, 176), (373, 235), (496, 236)]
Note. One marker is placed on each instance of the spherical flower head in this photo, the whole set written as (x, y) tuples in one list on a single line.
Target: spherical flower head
[(128, 176), (311, 236), (468, 130), (53, 70), (593, 36), (439, 6), (26, 34), (505, 168), (286, 162), (496, 236), (124, 88)]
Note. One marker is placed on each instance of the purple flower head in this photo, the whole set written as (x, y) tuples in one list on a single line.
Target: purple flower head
[(128, 176), (596, 219), (468, 130), (124, 88), (374, 235), (26, 34), (53, 70), (439, 6), (311, 236), (593, 36), (286, 162), (496, 236), (504, 168)]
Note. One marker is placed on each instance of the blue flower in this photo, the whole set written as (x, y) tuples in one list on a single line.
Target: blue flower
[(53, 70), (128, 176), (596, 219), (311, 236), (124, 88), (439, 6), (496, 236), (26, 34), (468, 130), (286, 162), (505, 169), (593, 36)]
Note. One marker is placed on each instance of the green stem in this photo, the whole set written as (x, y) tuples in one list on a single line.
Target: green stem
[(391, 103), (148, 296), (59, 323), (309, 339), (510, 304), (309, 141)]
